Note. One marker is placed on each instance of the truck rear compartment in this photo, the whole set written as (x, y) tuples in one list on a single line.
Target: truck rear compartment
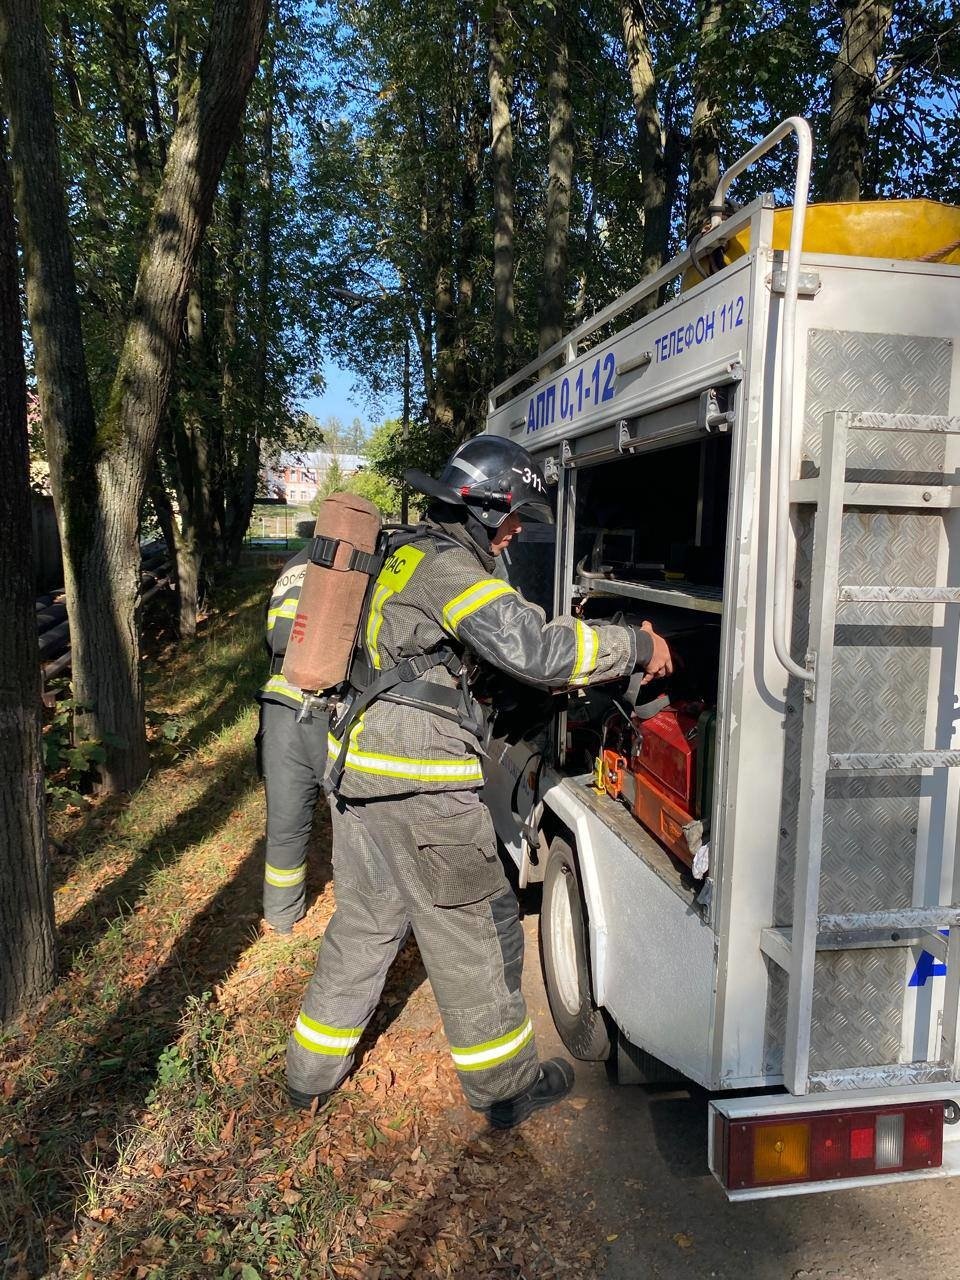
[(768, 861), (649, 529)]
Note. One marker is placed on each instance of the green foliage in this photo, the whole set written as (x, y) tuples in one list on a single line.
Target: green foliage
[(173, 1071), (70, 764), (378, 490)]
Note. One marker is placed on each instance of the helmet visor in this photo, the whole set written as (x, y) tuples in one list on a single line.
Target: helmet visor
[(533, 508)]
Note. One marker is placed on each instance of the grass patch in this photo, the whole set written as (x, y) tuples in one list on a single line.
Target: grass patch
[(158, 906), (144, 1130)]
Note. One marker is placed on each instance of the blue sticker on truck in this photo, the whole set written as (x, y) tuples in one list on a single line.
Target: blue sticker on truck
[(928, 966)]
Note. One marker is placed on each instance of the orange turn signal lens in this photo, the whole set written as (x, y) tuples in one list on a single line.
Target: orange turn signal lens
[(781, 1152)]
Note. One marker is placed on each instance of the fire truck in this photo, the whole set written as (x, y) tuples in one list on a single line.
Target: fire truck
[(750, 873)]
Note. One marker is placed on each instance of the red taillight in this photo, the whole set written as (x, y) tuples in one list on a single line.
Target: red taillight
[(923, 1137), (861, 1143), (816, 1146)]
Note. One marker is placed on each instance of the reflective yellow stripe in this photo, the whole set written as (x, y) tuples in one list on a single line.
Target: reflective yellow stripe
[(335, 1042), (397, 571), (375, 622), (277, 684), (478, 1057), (285, 877), (286, 609), (474, 598), (447, 770), (588, 646)]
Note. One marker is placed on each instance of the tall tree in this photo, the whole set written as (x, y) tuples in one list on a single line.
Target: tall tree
[(707, 112), (501, 156), (553, 290), (99, 468), (658, 156), (27, 954), (853, 81)]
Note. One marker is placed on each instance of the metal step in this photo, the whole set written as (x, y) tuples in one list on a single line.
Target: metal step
[(898, 595), (777, 943), (894, 761), (924, 424), (882, 1077), (923, 497), (941, 917)]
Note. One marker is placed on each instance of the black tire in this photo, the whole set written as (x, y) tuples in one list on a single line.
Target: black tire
[(629, 1064), (564, 957)]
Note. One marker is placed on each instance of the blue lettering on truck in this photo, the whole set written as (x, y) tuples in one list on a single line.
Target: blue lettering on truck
[(694, 333), (595, 384), (565, 400)]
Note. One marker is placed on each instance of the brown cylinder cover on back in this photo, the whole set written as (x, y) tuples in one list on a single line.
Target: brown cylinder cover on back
[(324, 630)]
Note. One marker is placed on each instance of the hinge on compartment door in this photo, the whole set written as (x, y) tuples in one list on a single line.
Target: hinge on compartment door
[(711, 415)]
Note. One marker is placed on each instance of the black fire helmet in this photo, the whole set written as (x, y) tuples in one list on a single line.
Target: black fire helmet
[(491, 476)]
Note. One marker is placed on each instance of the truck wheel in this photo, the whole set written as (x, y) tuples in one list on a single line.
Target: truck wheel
[(563, 957)]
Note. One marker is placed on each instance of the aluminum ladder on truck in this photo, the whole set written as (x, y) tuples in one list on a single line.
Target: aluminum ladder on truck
[(796, 949)]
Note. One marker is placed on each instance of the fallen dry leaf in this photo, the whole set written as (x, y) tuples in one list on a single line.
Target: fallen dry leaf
[(226, 1133)]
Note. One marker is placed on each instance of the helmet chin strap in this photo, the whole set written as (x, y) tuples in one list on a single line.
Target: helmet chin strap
[(477, 531)]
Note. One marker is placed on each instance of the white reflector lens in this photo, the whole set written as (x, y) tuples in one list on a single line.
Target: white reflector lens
[(889, 1140)]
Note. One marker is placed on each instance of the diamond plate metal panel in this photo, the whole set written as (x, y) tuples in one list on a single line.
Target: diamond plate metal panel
[(857, 1005), (880, 679), (878, 373)]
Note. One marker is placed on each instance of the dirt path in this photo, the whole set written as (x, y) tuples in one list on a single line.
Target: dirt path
[(636, 1158)]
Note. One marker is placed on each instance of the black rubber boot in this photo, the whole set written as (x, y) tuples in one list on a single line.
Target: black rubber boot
[(304, 1101), (553, 1083)]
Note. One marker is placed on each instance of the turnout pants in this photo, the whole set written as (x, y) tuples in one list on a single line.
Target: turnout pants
[(428, 861), (292, 760)]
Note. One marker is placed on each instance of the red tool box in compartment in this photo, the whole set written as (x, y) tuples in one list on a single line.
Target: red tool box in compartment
[(654, 771)]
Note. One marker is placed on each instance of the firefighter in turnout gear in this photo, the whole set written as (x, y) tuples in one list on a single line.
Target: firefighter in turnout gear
[(291, 755), (413, 844)]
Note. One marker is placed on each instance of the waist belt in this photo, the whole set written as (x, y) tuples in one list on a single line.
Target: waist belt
[(406, 685), (419, 692)]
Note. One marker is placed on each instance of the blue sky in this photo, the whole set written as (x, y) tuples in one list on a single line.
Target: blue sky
[(345, 400)]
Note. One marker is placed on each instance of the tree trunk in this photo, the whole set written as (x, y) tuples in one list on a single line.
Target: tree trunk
[(97, 635), (190, 463), (705, 125), (468, 398), (441, 244), (655, 188), (590, 214), (99, 471), (853, 77), (163, 510), (27, 950), (559, 185), (124, 63), (248, 428), (501, 151)]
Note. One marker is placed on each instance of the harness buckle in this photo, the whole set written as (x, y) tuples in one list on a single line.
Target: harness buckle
[(416, 666), (323, 551)]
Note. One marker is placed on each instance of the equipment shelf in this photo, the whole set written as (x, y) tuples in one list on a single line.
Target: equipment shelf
[(688, 595)]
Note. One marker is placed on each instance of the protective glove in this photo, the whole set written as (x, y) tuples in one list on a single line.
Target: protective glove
[(653, 654)]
